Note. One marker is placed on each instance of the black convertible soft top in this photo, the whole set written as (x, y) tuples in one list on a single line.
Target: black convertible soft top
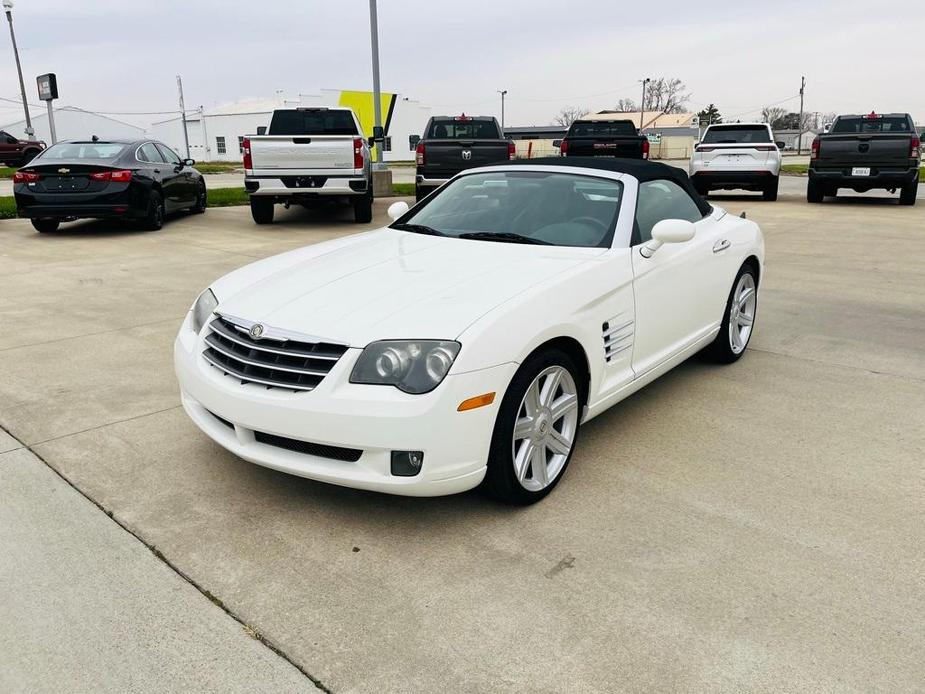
[(637, 168)]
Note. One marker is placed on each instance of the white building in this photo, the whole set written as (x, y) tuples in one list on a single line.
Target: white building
[(216, 134), (72, 123)]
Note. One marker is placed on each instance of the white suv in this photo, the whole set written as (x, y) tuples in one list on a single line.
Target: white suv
[(737, 155)]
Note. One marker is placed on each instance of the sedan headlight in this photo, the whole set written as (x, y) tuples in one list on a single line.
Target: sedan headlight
[(413, 366), (203, 309)]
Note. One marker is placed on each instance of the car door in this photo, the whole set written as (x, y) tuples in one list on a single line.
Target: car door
[(174, 180), (8, 148), (675, 288)]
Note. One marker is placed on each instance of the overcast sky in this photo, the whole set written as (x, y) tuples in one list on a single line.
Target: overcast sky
[(123, 55)]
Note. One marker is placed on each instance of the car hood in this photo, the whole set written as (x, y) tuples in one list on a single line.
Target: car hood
[(389, 284)]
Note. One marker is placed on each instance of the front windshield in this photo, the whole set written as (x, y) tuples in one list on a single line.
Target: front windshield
[(539, 207)]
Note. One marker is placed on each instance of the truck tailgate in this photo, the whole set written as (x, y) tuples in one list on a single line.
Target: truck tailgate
[(446, 158), (302, 152), (863, 150), (629, 147)]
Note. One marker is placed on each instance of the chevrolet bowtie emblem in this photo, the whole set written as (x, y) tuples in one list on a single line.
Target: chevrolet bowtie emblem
[(64, 171)]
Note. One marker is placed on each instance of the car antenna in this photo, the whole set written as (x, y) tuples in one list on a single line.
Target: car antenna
[(743, 215), (95, 138)]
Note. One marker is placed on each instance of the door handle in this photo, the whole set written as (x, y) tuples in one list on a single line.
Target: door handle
[(157, 170), (721, 245)]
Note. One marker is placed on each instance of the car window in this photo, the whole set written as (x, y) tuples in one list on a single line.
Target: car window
[(548, 208), (602, 129), (82, 150), (148, 152), (169, 155), (736, 134), (872, 124), (453, 129), (660, 200), (319, 121)]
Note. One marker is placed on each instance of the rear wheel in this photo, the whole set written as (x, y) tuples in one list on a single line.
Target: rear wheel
[(770, 191), (28, 156), (814, 191), (45, 226), (536, 430), (739, 319), (908, 192), (363, 209), (262, 210), (154, 219)]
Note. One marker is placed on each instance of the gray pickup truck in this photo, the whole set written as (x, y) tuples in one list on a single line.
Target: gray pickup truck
[(455, 143), (866, 152)]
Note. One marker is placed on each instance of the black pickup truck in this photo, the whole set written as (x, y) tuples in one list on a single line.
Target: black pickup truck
[(873, 151), (604, 138), (455, 143)]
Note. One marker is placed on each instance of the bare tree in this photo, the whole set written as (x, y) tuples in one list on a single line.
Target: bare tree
[(626, 106), (667, 95), (569, 115), (772, 114)]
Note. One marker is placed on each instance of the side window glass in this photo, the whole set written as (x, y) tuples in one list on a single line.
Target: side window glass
[(148, 152), (169, 155), (660, 200)]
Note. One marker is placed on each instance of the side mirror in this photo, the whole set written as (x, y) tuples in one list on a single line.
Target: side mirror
[(189, 162), (668, 231), (557, 143), (261, 130), (413, 141), (371, 141), (780, 145), (398, 209)]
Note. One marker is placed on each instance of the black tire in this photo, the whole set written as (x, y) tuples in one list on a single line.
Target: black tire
[(500, 479), (769, 194), (45, 226), (908, 192), (201, 201), (154, 218), (262, 210), (421, 193), (721, 349), (363, 209), (814, 191), (28, 156)]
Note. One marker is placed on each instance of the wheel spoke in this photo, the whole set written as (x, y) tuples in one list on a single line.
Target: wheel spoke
[(538, 465), (558, 443), (745, 320), (550, 386), (745, 296), (532, 400), (523, 459), (563, 406), (523, 428), (734, 335)]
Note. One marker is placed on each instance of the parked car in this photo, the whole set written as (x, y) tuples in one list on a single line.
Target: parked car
[(734, 156), (136, 180), (456, 143), (467, 342), (15, 152), (866, 152), (604, 138), (308, 156)]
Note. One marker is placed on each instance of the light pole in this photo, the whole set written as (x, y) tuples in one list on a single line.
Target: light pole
[(642, 103), (503, 93), (377, 98), (8, 8), (800, 122)]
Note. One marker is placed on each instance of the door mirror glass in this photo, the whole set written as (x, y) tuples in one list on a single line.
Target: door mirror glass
[(189, 162), (397, 209), (780, 145)]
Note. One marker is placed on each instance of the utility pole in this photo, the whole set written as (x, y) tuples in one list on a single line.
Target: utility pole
[(8, 7), (642, 103), (800, 122), (183, 115), (377, 98), (503, 93)]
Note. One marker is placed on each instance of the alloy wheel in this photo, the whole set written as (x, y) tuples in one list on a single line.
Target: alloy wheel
[(742, 313), (544, 432)]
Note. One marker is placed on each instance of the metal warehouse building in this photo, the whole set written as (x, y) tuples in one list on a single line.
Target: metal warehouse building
[(216, 134), (72, 123)]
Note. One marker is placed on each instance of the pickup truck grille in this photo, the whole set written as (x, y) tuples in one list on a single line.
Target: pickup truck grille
[(273, 362)]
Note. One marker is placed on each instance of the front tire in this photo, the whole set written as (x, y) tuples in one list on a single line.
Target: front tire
[(363, 209), (421, 193), (739, 319), (154, 219), (536, 430), (262, 210), (908, 192), (201, 201), (45, 226)]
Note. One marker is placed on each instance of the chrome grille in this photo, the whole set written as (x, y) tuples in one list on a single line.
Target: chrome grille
[(618, 336), (276, 360)]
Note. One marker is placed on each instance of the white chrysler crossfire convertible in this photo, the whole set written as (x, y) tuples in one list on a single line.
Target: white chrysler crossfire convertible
[(468, 341)]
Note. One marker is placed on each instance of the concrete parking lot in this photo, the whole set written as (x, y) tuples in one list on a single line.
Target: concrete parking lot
[(756, 527)]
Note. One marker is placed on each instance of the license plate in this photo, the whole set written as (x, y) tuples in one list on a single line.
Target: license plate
[(860, 171)]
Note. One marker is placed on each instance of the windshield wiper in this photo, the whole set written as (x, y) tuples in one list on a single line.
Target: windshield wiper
[(504, 236), (418, 229)]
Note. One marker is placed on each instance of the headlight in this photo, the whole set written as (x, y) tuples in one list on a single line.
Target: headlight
[(413, 366), (203, 308)]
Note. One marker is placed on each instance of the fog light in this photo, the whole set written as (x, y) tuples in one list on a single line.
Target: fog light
[(406, 463)]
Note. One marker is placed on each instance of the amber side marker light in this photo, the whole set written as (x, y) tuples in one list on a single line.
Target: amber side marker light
[(477, 401)]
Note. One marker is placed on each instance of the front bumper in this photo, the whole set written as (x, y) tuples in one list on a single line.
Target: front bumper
[(374, 419)]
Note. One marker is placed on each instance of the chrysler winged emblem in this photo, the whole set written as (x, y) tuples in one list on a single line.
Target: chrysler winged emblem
[(64, 171), (467, 154), (256, 331)]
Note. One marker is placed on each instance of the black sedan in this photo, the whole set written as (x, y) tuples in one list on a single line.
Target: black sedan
[(139, 180)]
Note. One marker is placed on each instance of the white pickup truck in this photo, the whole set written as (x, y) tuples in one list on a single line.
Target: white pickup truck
[(307, 156)]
